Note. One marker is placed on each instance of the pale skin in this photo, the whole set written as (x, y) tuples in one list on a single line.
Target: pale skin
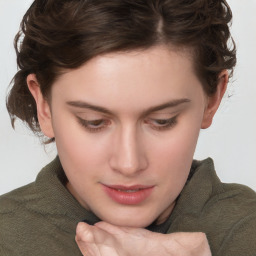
[(129, 118), (106, 239)]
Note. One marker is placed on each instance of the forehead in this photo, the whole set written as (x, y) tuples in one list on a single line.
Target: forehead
[(148, 76)]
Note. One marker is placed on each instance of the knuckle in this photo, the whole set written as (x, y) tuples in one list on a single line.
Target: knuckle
[(202, 237), (83, 233)]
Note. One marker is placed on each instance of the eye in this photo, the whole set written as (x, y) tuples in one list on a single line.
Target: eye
[(94, 125), (162, 124)]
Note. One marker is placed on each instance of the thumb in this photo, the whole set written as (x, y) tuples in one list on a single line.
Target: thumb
[(112, 229), (84, 232)]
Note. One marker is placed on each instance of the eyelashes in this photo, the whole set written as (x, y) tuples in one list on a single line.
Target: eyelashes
[(94, 125), (162, 124), (98, 125)]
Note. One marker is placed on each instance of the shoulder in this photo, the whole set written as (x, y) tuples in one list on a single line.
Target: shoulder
[(236, 220), (12, 201), (36, 218), (237, 199), (225, 212), (15, 217), (234, 206)]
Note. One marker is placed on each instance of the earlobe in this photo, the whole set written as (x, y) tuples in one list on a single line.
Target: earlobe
[(43, 108), (214, 101)]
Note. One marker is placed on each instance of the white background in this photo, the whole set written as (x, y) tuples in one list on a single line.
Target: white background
[(231, 140)]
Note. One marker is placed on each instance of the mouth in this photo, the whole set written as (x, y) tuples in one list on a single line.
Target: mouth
[(128, 195)]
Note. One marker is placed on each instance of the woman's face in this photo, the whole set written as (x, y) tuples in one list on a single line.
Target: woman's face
[(126, 127)]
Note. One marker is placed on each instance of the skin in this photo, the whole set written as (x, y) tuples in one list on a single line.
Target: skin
[(104, 239), (130, 145)]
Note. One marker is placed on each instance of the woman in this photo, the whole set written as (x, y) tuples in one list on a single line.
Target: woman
[(123, 88)]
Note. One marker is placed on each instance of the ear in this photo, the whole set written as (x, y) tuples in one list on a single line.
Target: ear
[(214, 101), (43, 108)]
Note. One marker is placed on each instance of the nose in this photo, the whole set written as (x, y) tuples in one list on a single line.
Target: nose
[(128, 154)]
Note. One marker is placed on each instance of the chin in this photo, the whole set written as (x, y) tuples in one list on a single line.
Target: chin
[(132, 221)]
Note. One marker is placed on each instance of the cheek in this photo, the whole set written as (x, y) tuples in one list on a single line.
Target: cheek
[(174, 154), (76, 147), (179, 144)]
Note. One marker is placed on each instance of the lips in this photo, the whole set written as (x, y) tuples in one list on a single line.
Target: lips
[(128, 195)]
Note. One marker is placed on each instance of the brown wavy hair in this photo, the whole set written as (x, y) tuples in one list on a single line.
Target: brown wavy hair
[(57, 35)]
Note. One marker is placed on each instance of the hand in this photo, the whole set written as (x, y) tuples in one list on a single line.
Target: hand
[(104, 239)]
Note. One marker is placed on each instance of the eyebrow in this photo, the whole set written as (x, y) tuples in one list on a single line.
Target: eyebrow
[(170, 104)]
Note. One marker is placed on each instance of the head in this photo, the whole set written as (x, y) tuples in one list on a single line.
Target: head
[(124, 88)]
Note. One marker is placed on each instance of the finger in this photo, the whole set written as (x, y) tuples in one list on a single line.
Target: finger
[(89, 239), (88, 249), (194, 242), (128, 233), (84, 232), (189, 238), (93, 234), (123, 231), (114, 230)]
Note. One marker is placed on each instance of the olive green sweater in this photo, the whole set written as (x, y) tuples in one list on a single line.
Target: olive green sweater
[(41, 218)]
